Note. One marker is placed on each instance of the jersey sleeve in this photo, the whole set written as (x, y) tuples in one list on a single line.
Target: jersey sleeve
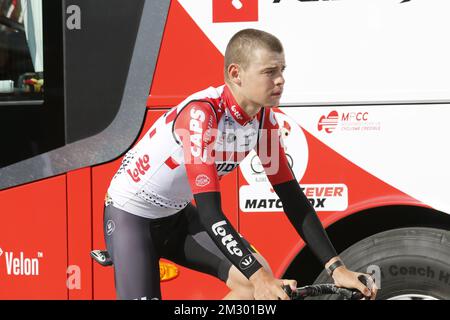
[(196, 129), (271, 152)]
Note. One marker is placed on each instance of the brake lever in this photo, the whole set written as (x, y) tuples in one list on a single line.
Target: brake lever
[(357, 295)]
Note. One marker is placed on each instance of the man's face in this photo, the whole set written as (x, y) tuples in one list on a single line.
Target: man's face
[(262, 81)]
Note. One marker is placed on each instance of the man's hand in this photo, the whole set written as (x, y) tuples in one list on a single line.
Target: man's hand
[(348, 279), (266, 287)]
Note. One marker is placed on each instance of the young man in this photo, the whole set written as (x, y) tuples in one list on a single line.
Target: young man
[(148, 214)]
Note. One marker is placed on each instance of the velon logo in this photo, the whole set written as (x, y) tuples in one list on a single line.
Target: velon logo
[(227, 239), (246, 262), (21, 265)]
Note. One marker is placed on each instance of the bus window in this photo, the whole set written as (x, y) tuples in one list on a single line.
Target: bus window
[(96, 60), (31, 110), (21, 51)]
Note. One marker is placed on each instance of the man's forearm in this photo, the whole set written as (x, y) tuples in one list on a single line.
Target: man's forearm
[(223, 233), (304, 219)]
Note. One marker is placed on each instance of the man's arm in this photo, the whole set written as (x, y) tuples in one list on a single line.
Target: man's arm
[(304, 219), (196, 127), (300, 212), (298, 209)]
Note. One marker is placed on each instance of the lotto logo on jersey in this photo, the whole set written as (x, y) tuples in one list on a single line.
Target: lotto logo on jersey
[(227, 239), (235, 10), (142, 166)]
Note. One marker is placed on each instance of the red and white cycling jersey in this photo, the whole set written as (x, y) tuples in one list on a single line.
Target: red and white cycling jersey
[(188, 150)]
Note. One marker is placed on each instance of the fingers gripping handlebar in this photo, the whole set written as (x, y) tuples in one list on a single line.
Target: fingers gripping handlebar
[(325, 289)]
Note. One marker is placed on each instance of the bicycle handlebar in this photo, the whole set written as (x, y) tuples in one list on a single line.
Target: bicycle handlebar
[(322, 289), (103, 258)]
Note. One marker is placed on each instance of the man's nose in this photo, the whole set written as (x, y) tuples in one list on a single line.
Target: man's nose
[(279, 81)]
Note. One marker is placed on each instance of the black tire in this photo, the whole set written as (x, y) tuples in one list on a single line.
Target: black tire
[(414, 263)]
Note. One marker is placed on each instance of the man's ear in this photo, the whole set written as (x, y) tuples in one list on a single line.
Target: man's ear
[(234, 73)]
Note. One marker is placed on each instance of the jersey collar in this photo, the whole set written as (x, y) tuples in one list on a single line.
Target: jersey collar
[(236, 111)]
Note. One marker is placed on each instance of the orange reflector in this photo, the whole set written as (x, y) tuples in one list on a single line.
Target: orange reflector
[(167, 271)]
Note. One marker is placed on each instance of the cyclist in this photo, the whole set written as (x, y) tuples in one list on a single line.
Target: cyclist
[(148, 214)]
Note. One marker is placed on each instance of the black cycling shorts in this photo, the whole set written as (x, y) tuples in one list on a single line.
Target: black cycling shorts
[(136, 244)]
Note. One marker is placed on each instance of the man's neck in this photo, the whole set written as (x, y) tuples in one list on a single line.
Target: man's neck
[(249, 108)]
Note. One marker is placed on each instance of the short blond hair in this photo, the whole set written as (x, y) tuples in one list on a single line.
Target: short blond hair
[(242, 45)]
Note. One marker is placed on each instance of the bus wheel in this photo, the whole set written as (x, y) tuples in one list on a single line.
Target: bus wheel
[(408, 263)]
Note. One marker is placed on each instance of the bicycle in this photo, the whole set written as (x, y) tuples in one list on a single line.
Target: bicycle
[(103, 258)]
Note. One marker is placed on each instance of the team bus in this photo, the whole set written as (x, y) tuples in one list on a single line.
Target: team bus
[(363, 120)]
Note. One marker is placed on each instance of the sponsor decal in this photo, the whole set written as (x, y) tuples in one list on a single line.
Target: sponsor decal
[(278, 1), (17, 264), (110, 227), (207, 138), (246, 262), (202, 180), (247, 10), (295, 146), (196, 128), (228, 121), (223, 168), (236, 113), (227, 239), (248, 139), (200, 138), (358, 121), (235, 10), (328, 123), (231, 137), (323, 197), (141, 167), (239, 139)]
